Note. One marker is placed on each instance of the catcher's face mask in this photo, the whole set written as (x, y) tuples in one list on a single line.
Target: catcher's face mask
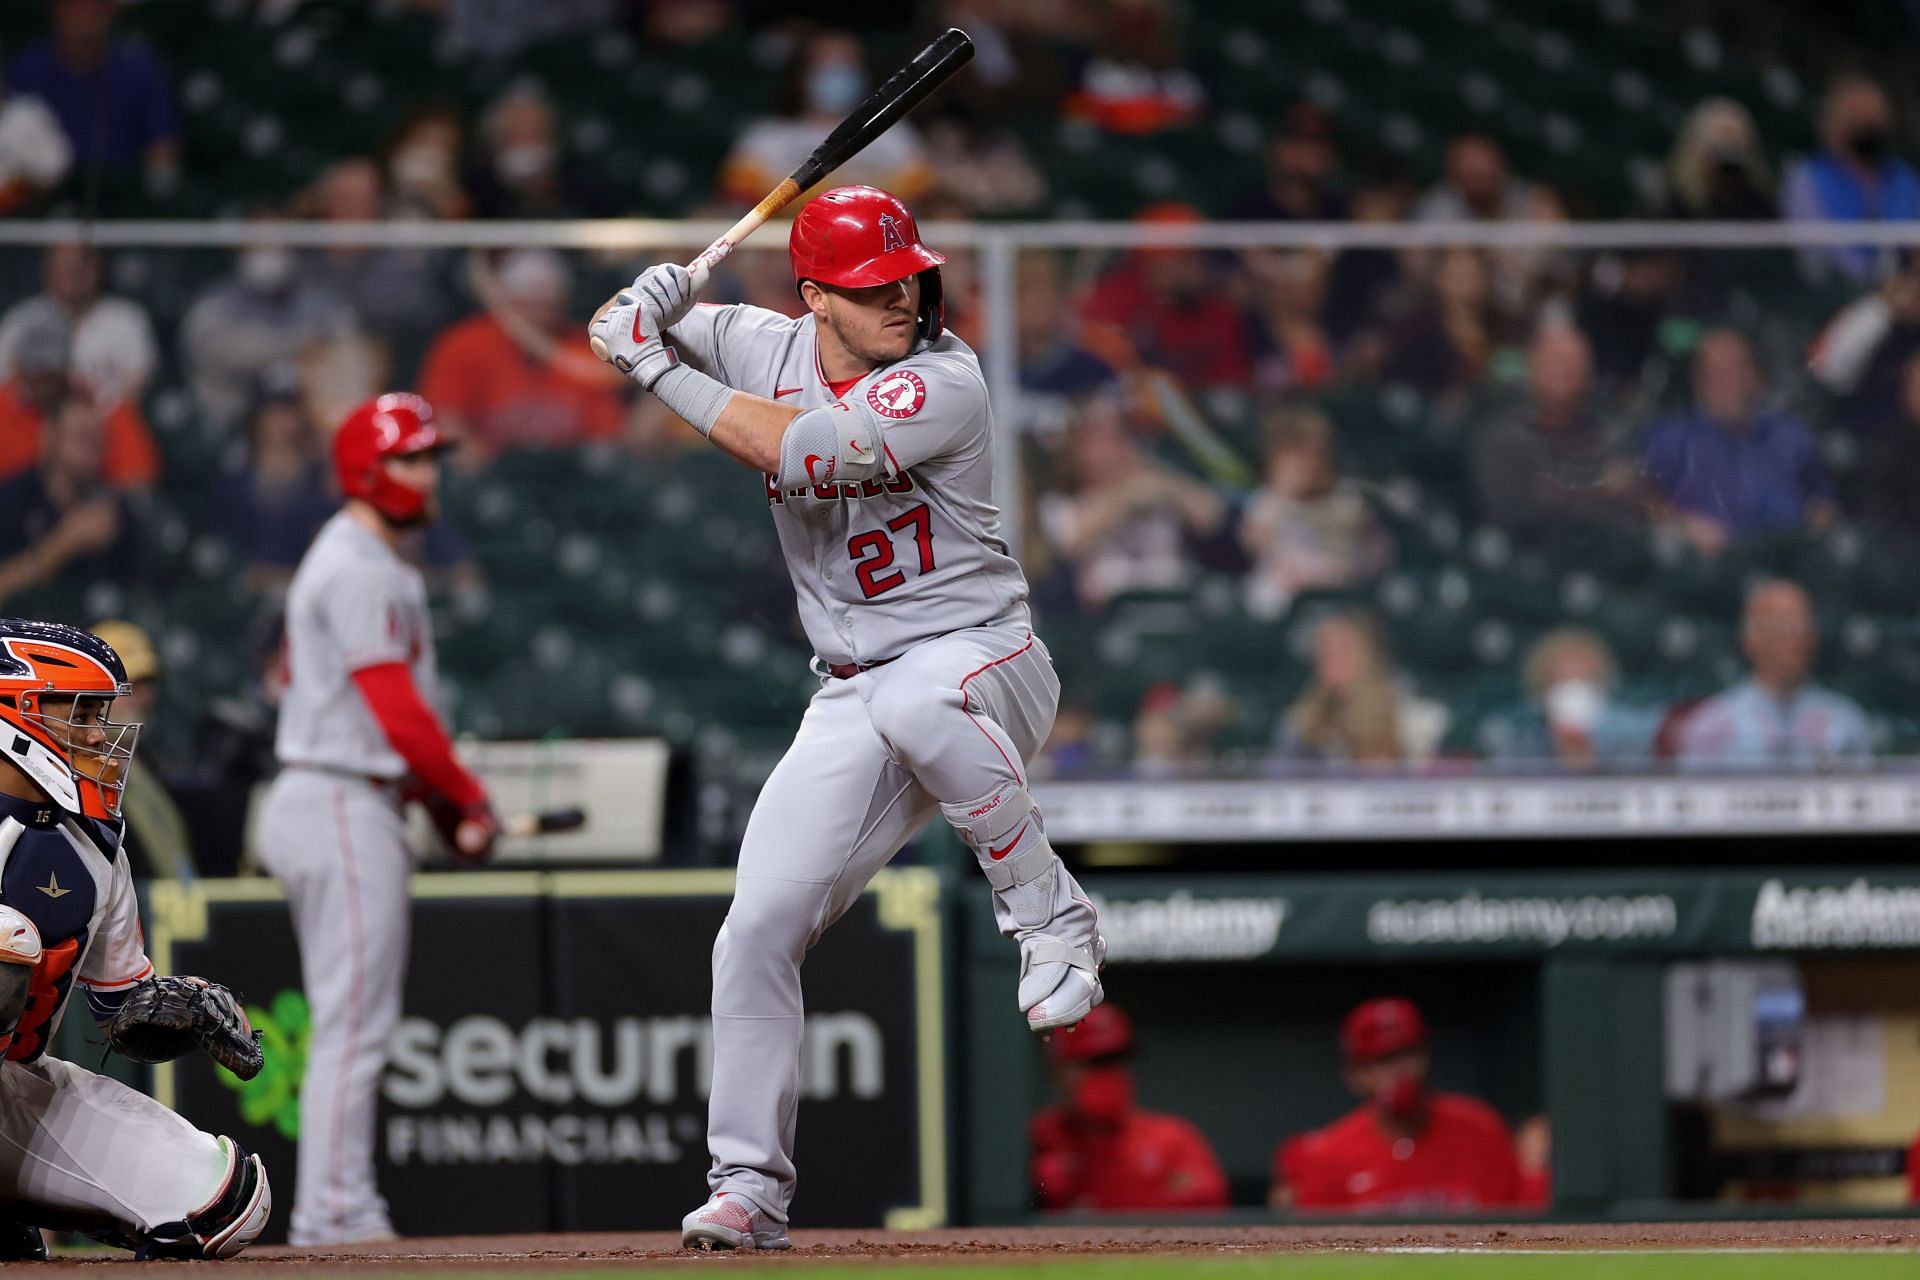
[(99, 749)]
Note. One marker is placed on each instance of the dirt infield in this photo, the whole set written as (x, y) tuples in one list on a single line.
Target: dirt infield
[(1012, 1244)]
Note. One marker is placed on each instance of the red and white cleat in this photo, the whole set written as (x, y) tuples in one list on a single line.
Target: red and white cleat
[(730, 1222)]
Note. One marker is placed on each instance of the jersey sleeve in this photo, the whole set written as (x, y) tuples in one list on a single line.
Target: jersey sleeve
[(929, 406), (370, 618), (721, 340), (118, 957)]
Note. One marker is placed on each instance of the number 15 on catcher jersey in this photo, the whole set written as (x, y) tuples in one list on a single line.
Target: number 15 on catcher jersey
[(878, 565)]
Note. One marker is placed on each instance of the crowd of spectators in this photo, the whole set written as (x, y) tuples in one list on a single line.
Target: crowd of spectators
[(1180, 414)]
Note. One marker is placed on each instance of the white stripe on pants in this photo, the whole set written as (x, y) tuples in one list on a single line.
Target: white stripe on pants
[(338, 845), (952, 719)]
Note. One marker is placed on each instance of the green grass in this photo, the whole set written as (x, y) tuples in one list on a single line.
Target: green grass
[(1624, 1265)]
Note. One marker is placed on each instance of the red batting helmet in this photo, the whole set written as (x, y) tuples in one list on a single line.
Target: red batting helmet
[(1380, 1027), (1105, 1032), (855, 237), (389, 426)]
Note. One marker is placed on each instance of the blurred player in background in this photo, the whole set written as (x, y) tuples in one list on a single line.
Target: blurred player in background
[(357, 731), (1408, 1148), (1098, 1149)]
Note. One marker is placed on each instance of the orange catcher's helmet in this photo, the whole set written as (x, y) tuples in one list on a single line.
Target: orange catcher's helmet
[(857, 237), (389, 426), (57, 684)]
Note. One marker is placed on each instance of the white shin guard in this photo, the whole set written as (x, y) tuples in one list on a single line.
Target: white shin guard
[(1036, 901)]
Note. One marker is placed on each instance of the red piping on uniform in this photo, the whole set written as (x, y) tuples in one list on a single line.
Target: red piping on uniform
[(350, 873), (1017, 775)]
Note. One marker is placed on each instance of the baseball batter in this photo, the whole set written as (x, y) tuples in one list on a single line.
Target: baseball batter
[(872, 429), (79, 1151), (357, 737)]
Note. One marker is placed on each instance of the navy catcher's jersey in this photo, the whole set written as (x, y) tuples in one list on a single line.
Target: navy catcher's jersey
[(67, 875)]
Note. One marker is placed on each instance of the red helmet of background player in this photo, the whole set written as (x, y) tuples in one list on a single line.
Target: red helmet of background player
[(855, 237), (389, 426), (1379, 1028), (1105, 1032)]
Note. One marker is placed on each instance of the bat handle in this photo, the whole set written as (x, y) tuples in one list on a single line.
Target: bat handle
[(755, 218), (710, 257)]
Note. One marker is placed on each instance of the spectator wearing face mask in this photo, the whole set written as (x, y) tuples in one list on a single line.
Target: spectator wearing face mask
[(422, 164), (1853, 177), (1098, 1149), (260, 317), (113, 348), (1408, 1148), (827, 79), (1572, 719), (1717, 170), (523, 171), (41, 385)]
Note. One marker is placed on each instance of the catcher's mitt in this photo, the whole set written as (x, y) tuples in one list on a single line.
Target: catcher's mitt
[(163, 1018)]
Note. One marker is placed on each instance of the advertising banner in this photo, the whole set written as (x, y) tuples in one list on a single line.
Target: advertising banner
[(551, 1070)]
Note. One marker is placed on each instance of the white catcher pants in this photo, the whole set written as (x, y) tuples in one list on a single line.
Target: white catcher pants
[(86, 1147), (950, 720), (339, 846)]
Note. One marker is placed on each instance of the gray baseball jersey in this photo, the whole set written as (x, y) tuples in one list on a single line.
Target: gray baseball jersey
[(354, 603), (878, 565)]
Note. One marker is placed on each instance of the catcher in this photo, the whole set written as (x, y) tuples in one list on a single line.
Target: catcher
[(78, 1151)]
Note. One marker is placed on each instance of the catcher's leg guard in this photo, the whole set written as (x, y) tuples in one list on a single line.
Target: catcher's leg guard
[(1037, 902), (225, 1224)]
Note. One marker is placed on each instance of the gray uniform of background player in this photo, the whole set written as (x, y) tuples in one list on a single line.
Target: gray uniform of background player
[(333, 831), (907, 569)]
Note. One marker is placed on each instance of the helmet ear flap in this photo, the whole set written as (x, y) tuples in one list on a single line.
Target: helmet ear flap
[(933, 306)]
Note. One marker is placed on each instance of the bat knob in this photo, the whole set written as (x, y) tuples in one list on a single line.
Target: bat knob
[(599, 346)]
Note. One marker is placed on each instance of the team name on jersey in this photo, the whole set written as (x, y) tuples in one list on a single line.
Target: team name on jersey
[(902, 483)]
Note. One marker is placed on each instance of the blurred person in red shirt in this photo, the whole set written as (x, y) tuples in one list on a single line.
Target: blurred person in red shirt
[(516, 376), (1171, 306), (1407, 1148), (1098, 1150), (41, 383)]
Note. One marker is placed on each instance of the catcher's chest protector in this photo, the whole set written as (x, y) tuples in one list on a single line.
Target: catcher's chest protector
[(53, 872)]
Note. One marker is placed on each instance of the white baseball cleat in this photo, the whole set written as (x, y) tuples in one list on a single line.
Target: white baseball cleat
[(1059, 982), (730, 1222)]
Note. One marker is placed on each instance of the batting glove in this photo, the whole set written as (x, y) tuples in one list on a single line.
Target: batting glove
[(633, 338)]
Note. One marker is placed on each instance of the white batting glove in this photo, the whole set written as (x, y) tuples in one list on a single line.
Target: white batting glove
[(633, 340), (632, 330), (666, 290)]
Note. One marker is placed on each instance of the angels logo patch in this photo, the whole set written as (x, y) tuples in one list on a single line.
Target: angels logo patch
[(898, 395)]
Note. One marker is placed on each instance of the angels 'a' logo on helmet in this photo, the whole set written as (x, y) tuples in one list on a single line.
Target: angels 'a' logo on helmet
[(898, 394), (890, 237)]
